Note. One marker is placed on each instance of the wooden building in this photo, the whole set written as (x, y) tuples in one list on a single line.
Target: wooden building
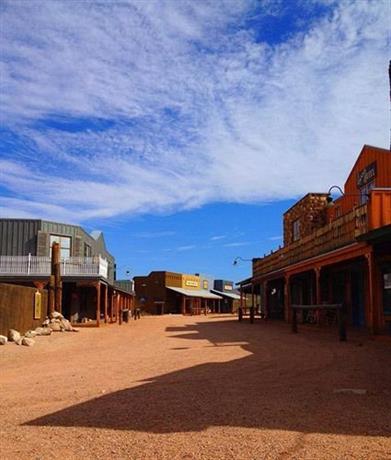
[(168, 292), (335, 251), (89, 293), (230, 299)]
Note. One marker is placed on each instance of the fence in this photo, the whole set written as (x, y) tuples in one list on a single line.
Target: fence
[(17, 308)]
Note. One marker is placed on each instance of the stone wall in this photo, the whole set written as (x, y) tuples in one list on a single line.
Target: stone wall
[(310, 212)]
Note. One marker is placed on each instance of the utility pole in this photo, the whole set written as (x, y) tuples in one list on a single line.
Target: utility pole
[(55, 286)]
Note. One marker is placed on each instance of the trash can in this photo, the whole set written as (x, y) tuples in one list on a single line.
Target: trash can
[(125, 315)]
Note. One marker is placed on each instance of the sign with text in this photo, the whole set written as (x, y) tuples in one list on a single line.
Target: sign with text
[(37, 305), (367, 174), (191, 283)]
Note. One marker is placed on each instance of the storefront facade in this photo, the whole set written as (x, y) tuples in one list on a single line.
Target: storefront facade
[(335, 251), (163, 292)]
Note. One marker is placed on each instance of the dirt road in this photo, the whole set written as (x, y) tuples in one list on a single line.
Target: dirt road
[(178, 387)]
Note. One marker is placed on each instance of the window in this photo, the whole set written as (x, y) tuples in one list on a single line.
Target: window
[(65, 245), (296, 230), (364, 192), (87, 250)]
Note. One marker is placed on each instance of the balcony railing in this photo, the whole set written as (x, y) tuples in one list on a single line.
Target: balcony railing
[(340, 232), (41, 266)]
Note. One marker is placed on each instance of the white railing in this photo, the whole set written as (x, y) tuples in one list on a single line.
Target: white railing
[(37, 265)]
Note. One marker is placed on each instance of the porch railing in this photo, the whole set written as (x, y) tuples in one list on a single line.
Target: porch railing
[(38, 265)]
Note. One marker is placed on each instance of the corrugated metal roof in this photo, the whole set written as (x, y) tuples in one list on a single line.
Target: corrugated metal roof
[(231, 295), (195, 293)]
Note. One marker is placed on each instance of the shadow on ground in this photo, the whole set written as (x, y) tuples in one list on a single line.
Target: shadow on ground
[(285, 382)]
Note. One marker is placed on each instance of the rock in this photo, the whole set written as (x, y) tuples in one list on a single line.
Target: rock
[(55, 327), (56, 315), (66, 324), (13, 335), (28, 342), (46, 322), (19, 341), (3, 340), (30, 334), (43, 330)]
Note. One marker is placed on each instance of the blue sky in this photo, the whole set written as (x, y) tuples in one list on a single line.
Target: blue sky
[(183, 130)]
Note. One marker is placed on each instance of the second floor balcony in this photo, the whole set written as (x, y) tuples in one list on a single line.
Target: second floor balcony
[(35, 266), (340, 232)]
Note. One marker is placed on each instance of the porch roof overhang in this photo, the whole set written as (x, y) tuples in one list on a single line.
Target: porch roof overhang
[(244, 282), (229, 295), (195, 293), (378, 235), (333, 257)]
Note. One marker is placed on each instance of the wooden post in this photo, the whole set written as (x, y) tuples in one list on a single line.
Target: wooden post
[(252, 309), (294, 320), (318, 313), (106, 298), (112, 306), (341, 318), (252, 295), (287, 299), (265, 301), (52, 300), (240, 313), (371, 291), (56, 271), (241, 296), (120, 303), (97, 287), (183, 305), (317, 286)]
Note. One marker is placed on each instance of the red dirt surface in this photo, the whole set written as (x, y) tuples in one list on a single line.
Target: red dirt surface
[(178, 387)]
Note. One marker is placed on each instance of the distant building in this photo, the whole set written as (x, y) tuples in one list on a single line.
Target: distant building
[(230, 296), (168, 292), (87, 267)]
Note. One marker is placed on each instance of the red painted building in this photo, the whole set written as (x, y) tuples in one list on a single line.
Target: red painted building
[(335, 251)]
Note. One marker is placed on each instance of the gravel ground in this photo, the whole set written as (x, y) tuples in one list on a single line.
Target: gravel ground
[(178, 387)]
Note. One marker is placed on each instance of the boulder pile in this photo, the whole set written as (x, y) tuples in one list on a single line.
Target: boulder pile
[(54, 323)]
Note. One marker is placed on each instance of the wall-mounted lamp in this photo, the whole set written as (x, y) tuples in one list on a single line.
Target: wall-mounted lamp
[(330, 199), (236, 260)]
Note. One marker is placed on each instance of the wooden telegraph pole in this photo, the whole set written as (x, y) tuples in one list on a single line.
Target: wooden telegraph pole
[(55, 287)]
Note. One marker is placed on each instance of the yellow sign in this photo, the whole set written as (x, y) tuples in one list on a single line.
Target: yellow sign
[(37, 305), (228, 287), (191, 283), (205, 284)]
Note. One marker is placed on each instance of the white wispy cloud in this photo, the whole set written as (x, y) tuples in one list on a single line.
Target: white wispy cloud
[(275, 238), (237, 244), (161, 234), (217, 237), (134, 107), (186, 248)]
